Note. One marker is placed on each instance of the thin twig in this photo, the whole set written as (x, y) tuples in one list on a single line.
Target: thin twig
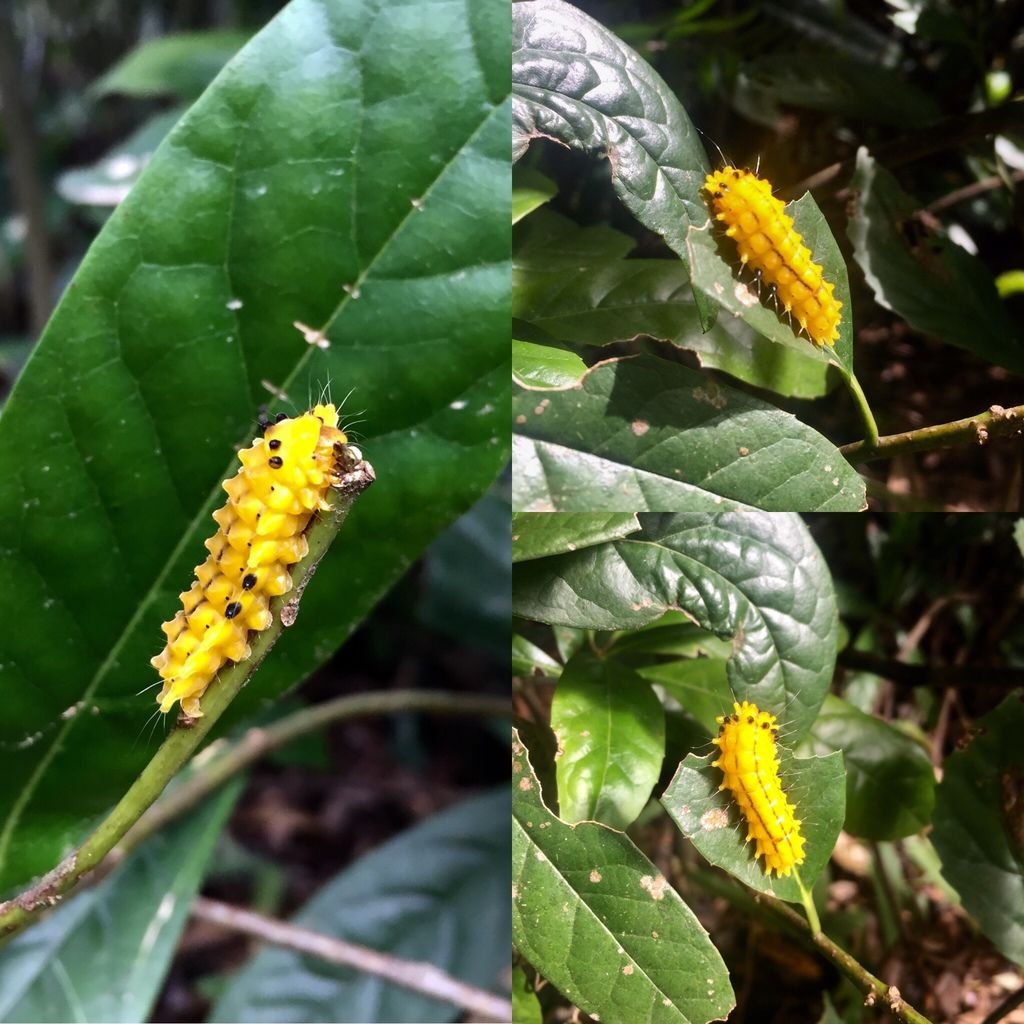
[(975, 188), (1010, 1003), (873, 988), (934, 675), (183, 741), (257, 743), (979, 429), (418, 976), (26, 178)]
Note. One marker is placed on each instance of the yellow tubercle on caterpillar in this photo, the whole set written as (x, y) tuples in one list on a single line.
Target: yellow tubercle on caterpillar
[(767, 243), (286, 477), (749, 762)]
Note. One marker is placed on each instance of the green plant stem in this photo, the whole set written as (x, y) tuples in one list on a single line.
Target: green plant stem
[(257, 743), (874, 989), (184, 740), (870, 426), (809, 908), (995, 422)]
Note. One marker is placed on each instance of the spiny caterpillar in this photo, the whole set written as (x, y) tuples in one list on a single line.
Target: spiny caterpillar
[(285, 478), (751, 768), (765, 238)]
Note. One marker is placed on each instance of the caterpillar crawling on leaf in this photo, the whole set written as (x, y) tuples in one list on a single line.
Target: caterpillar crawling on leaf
[(767, 243), (285, 479), (749, 761)]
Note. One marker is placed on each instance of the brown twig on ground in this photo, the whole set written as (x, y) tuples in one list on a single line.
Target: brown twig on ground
[(418, 976)]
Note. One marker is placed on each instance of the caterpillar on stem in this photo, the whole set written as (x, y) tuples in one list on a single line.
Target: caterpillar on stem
[(285, 478)]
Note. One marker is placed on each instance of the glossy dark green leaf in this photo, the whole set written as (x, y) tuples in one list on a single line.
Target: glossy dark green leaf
[(890, 784), (349, 170), (437, 893), (103, 954), (577, 83), (712, 263), (539, 534), (179, 64), (611, 741), (979, 826), (753, 577), (641, 434), (934, 284), (709, 817), (596, 919)]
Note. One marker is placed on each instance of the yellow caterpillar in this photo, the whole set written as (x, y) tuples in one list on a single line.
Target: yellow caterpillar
[(750, 764), (766, 241), (285, 478)]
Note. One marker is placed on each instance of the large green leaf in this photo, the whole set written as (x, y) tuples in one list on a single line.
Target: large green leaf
[(577, 83), (934, 284), (597, 919), (979, 826), (608, 298), (539, 534), (437, 893), (890, 784), (611, 741), (349, 169), (709, 817), (104, 953), (642, 434), (754, 577)]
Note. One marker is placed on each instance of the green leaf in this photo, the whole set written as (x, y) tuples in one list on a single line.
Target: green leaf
[(577, 83), (469, 578), (714, 274), (710, 818), (293, 176), (180, 64), (550, 242), (421, 896), (103, 954), (614, 299), (545, 367), (979, 826), (530, 189), (890, 784), (701, 685), (934, 284), (525, 1004), (611, 741), (539, 534), (594, 916), (828, 81), (642, 434), (753, 577), (528, 658)]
